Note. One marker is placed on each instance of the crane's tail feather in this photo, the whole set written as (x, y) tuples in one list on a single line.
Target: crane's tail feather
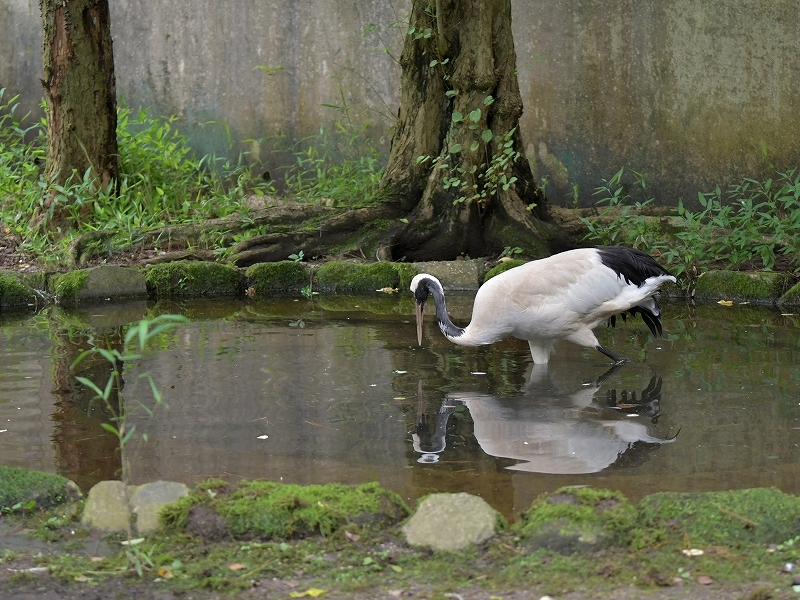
[(650, 315), (651, 318)]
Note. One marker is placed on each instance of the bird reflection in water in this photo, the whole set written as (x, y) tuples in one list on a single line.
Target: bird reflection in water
[(550, 431)]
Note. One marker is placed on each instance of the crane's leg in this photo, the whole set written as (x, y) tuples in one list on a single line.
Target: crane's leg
[(618, 360), (540, 351)]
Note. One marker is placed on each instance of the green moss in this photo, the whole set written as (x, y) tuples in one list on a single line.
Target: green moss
[(502, 268), (757, 515), (573, 519), (792, 297), (353, 277), (22, 486), (192, 279), (762, 287), (67, 285), (283, 276), (14, 291), (272, 510)]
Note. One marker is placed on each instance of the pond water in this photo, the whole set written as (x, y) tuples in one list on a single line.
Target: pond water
[(338, 390)]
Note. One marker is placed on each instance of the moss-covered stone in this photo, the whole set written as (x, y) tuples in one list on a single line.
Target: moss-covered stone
[(792, 297), (66, 286), (578, 519), (192, 279), (283, 276), (354, 277), (502, 268), (271, 510), (33, 489), (14, 291), (758, 515), (760, 287)]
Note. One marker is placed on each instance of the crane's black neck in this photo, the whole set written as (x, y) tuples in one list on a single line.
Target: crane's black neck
[(448, 328)]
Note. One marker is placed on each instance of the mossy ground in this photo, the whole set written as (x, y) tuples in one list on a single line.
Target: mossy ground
[(28, 489), (14, 291), (573, 519), (357, 561), (270, 510), (192, 279)]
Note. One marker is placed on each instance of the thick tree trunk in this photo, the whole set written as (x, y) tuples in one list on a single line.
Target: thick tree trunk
[(80, 92), (457, 181), (456, 159)]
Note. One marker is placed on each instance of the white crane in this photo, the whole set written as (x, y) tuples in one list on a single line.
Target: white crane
[(560, 297)]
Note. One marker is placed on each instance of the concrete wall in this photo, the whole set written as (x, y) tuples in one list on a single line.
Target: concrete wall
[(685, 92)]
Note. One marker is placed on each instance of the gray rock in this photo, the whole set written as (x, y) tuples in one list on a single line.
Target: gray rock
[(110, 505), (451, 522), (107, 507), (146, 501), (455, 274), (108, 281)]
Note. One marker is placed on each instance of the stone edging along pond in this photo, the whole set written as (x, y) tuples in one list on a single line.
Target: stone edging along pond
[(198, 279)]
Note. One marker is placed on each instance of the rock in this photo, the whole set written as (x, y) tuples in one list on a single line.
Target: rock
[(146, 501), (792, 297), (739, 286), (451, 522), (110, 505), (99, 284), (455, 274), (193, 279), (107, 507)]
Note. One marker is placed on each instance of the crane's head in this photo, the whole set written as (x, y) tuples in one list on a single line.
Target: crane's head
[(421, 287)]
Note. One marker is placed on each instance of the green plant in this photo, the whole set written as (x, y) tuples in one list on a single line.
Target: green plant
[(340, 169), (161, 182), (135, 343), (482, 180), (510, 252), (752, 221), (621, 221)]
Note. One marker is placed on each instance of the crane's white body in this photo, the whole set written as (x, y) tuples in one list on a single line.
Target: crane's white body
[(564, 297)]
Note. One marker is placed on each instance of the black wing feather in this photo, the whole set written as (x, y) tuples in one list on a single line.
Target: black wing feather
[(631, 264)]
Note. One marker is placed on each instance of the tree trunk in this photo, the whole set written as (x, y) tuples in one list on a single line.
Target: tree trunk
[(457, 181), (80, 92), (456, 159)]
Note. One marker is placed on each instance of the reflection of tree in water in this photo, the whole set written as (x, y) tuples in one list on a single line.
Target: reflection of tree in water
[(85, 452), (548, 431)]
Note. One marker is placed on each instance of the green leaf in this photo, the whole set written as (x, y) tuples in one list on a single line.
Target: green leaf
[(488, 100), (91, 385), (455, 148), (457, 117), (475, 115), (110, 427), (451, 93), (487, 135), (128, 435), (433, 63), (474, 146)]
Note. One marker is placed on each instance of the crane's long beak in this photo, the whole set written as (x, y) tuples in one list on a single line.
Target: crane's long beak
[(420, 308)]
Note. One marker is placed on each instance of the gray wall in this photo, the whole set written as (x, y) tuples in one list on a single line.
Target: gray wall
[(685, 92)]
